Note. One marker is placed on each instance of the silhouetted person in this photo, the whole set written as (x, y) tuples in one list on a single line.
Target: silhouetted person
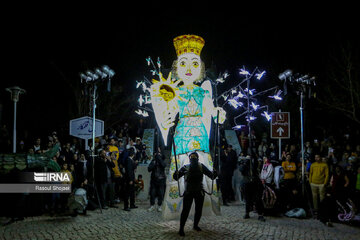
[(194, 191), (130, 166), (228, 165), (158, 180), (252, 188), (103, 178)]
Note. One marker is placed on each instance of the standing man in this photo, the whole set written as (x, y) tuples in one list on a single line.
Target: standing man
[(103, 179), (289, 167), (158, 180), (318, 178), (228, 165), (114, 150), (251, 187), (82, 169), (130, 166), (193, 173)]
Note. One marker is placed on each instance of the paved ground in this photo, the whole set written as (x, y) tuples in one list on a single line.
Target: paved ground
[(140, 224)]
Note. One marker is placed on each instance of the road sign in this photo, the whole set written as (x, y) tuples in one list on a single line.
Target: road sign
[(83, 127), (280, 125)]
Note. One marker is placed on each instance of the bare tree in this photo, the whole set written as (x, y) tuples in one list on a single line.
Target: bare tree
[(341, 92)]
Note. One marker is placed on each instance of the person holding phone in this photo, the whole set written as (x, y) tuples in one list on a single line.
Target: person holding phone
[(104, 178), (130, 166)]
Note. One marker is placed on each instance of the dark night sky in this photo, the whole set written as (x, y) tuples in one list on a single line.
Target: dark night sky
[(42, 49)]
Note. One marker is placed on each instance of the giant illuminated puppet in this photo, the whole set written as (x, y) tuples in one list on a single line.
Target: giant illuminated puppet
[(185, 93)]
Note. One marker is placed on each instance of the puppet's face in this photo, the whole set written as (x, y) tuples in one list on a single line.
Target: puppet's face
[(189, 67)]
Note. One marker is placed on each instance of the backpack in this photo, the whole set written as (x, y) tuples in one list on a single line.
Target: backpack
[(268, 197)]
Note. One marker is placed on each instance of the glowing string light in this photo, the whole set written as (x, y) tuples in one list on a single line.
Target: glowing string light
[(254, 106), (158, 63), (145, 88), (147, 99), (224, 97), (240, 95), (277, 96), (233, 103), (266, 115), (238, 127), (220, 80), (141, 100), (259, 75), (251, 91), (142, 113), (138, 84), (252, 118), (244, 72)]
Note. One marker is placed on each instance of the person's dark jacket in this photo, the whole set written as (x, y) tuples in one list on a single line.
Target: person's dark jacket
[(228, 163), (69, 156), (194, 176), (157, 168), (101, 170), (79, 171), (130, 167), (247, 176)]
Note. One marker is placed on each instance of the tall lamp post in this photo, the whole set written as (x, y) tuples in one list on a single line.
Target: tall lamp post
[(15, 93), (302, 85), (91, 79)]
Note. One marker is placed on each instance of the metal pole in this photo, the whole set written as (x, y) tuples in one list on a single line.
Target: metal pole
[(14, 130), (279, 157), (93, 147), (302, 142), (279, 149), (217, 135), (93, 123), (15, 93), (86, 144), (249, 127)]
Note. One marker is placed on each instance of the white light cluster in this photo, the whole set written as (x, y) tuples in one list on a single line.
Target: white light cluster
[(245, 97), (145, 84), (99, 74), (259, 75), (142, 113), (244, 72), (277, 95)]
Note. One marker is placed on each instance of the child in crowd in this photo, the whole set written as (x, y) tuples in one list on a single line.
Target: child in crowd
[(139, 184)]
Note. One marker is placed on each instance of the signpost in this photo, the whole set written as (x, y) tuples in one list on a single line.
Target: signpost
[(280, 127), (83, 128)]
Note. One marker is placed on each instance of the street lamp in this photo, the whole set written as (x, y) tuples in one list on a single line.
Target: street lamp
[(15, 93), (303, 84), (92, 78)]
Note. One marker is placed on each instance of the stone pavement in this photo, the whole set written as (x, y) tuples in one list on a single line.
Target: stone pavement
[(140, 224)]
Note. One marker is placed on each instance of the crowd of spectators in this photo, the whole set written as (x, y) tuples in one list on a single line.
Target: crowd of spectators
[(106, 179), (331, 174)]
